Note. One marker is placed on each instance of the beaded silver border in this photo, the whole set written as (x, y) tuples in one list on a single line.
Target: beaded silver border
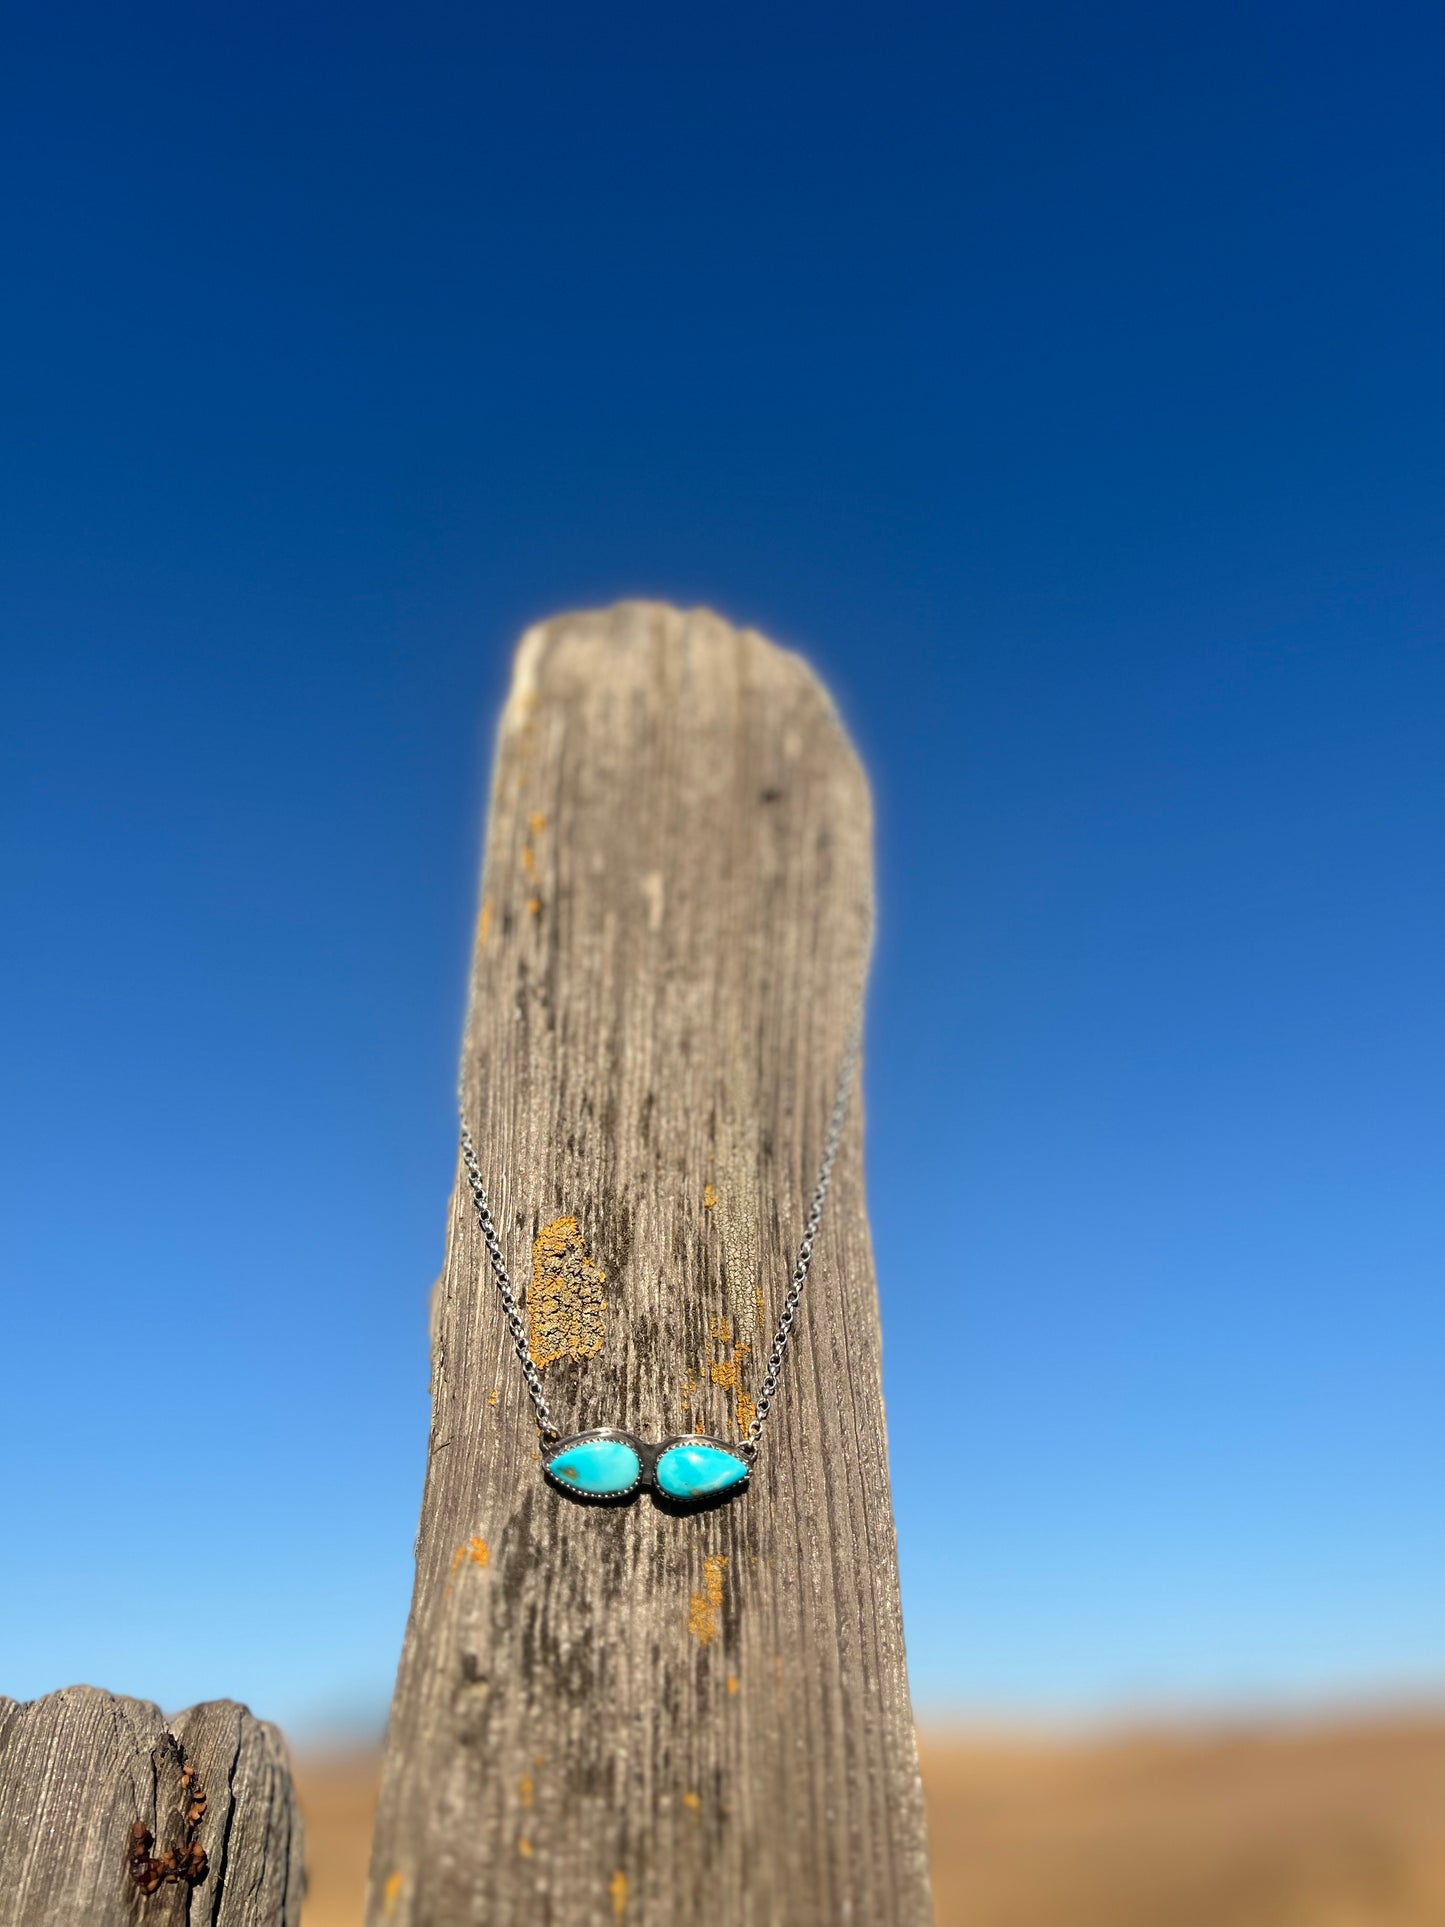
[(647, 1458), (600, 1433), (717, 1445)]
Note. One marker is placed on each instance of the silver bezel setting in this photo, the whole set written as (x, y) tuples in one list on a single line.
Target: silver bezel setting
[(715, 1445), (608, 1434), (647, 1458)]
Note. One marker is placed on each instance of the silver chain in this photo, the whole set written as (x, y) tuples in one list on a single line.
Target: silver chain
[(769, 1387), (506, 1291), (511, 1306)]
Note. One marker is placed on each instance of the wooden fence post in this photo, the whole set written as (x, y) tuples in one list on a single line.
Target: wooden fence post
[(623, 1715), (111, 1815)]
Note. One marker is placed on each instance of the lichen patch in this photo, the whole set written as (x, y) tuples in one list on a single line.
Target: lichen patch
[(704, 1606), (475, 1552), (566, 1311)]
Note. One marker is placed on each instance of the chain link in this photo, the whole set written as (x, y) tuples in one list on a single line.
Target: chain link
[(506, 1291), (511, 1306), (768, 1390)]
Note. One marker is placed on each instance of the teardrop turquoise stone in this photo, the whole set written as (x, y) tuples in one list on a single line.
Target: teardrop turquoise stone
[(697, 1471), (597, 1466)]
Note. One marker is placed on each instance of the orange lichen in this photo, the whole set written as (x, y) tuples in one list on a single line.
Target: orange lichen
[(727, 1372), (565, 1306), (529, 859), (693, 1802), (525, 1789), (524, 1846), (391, 1890), (733, 1684), (534, 906), (709, 1197), (617, 1889), (703, 1607), (484, 923), (475, 1552), (496, 1394), (536, 822)]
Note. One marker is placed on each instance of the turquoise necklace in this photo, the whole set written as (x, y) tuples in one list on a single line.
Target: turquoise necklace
[(607, 1464)]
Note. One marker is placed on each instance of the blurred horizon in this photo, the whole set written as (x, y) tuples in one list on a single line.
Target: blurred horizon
[(1067, 389)]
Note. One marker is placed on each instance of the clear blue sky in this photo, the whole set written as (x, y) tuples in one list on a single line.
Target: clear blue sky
[(1067, 382)]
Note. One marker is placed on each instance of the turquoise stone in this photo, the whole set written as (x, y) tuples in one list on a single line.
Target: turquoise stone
[(597, 1466), (697, 1471)]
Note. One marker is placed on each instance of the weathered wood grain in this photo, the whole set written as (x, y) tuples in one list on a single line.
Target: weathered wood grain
[(81, 1769), (625, 1715)]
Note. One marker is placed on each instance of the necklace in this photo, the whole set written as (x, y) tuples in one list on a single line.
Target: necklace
[(607, 1463)]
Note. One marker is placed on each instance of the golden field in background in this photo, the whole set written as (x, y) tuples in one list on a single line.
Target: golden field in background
[(1340, 1826), (1265, 1826)]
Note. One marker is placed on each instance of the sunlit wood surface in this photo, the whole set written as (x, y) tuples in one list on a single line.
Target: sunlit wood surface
[(654, 1714), (1340, 1826)]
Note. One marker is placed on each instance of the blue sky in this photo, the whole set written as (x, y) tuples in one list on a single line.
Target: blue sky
[(1066, 383)]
